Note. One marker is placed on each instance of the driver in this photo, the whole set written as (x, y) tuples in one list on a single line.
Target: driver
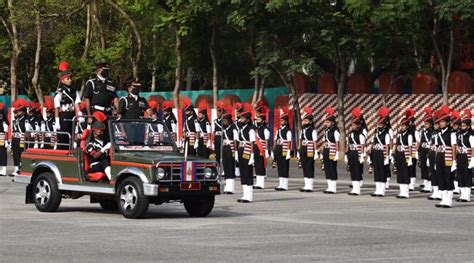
[(97, 151)]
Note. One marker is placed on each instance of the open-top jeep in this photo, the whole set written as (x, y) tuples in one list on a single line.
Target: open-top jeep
[(146, 167)]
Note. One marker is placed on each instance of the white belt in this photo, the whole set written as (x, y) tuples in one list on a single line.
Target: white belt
[(218, 133), (379, 147), (97, 107)]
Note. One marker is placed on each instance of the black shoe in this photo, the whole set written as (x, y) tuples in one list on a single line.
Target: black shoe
[(403, 197), (380, 195), (422, 186), (302, 190), (328, 192), (430, 198), (228, 193), (243, 201), (446, 206), (257, 187), (2, 175), (280, 189), (438, 205), (411, 190), (438, 199), (398, 196), (372, 194)]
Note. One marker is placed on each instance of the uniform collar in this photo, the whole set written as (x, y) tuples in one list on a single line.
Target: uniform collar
[(99, 77), (101, 142), (133, 96)]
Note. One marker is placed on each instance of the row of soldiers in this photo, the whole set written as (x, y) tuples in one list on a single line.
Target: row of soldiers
[(241, 143)]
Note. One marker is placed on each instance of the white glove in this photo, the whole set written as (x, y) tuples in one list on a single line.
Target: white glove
[(8, 145), (316, 156), (106, 147), (196, 144), (236, 156), (454, 166), (251, 160), (272, 155), (209, 144), (35, 146), (346, 160), (336, 157), (298, 155), (428, 162), (386, 161), (471, 163), (81, 119), (369, 160), (288, 155), (410, 162), (416, 155), (362, 158), (267, 155), (57, 124)]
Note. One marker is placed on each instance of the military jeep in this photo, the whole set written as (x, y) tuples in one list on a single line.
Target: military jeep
[(146, 167)]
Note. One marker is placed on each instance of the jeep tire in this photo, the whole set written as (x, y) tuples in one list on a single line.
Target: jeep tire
[(131, 199), (46, 194), (200, 206)]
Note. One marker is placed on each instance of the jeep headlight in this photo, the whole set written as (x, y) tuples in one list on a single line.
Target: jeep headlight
[(208, 173), (160, 174)]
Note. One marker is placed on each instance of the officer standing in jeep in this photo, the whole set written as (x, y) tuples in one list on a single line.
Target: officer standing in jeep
[(132, 106), (66, 104), (20, 126), (100, 94)]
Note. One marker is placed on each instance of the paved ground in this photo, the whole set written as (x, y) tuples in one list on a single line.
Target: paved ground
[(277, 227)]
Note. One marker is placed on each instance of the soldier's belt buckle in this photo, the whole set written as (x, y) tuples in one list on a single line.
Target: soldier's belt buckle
[(425, 145), (304, 143), (400, 149), (352, 147), (326, 145), (218, 133), (279, 142)]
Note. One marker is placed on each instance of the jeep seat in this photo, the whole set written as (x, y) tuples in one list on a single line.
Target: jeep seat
[(93, 177)]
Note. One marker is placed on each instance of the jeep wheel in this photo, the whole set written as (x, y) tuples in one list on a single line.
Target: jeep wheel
[(199, 207), (108, 204), (132, 201), (46, 193)]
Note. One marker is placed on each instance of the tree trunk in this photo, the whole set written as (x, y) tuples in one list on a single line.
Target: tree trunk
[(256, 89), (136, 34), (153, 78), (261, 89), (448, 65), (87, 40), (13, 34), (35, 78), (97, 23), (341, 75), (179, 62), (215, 80)]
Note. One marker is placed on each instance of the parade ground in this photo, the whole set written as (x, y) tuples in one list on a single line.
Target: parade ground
[(278, 227)]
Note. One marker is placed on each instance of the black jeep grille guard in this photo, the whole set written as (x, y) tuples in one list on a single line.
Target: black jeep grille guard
[(173, 171)]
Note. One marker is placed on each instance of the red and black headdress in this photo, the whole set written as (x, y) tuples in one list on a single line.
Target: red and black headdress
[(409, 115), (308, 113), (442, 114), (383, 114), (428, 115), (357, 115), (466, 117), (330, 111)]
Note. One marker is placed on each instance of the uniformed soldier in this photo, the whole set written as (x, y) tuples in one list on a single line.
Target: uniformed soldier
[(464, 156), (432, 159), (261, 147), (455, 127), (392, 159), (424, 149), (380, 154), (217, 129), (403, 154), (204, 132), (21, 125), (153, 133), (245, 156), (355, 151), (132, 106), (308, 152), (282, 150), (229, 149), (35, 120), (97, 150), (445, 158), (169, 119), (4, 144), (238, 107), (414, 150), (66, 103), (100, 94), (190, 129), (331, 150), (50, 137)]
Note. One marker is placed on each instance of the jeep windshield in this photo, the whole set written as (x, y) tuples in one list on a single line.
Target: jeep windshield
[(141, 136)]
